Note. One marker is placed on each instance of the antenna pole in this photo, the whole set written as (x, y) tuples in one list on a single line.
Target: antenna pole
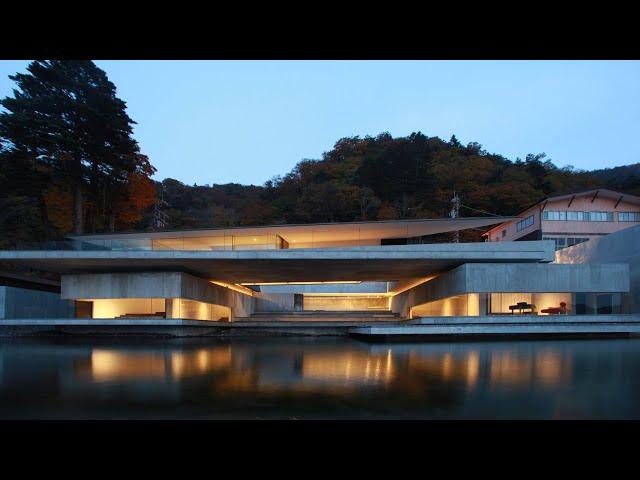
[(455, 213), (160, 218)]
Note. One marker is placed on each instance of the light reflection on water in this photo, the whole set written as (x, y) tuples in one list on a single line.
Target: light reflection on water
[(318, 378)]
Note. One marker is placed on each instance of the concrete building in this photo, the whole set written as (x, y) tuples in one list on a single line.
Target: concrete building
[(620, 247), (23, 296), (356, 271), (571, 219)]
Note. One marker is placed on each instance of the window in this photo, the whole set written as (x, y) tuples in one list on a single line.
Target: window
[(598, 303), (575, 241), (604, 303), (504, 232), (582, 216), (601, 216), (554, 215), (629, 216), (525, 223), (566, 242)]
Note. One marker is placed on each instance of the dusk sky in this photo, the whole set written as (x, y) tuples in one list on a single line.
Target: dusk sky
[(210, 122)]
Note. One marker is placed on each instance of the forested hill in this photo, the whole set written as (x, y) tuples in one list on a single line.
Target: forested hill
[(626, 177), (378, 178), (69, 162)]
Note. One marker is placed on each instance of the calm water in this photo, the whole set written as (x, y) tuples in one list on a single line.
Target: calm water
[(318, 378)]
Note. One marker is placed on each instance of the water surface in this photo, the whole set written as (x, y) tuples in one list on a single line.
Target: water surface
[(310, 378)]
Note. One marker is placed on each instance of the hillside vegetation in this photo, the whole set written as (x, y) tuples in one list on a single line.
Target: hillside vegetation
[(380, 178), (69, 162)]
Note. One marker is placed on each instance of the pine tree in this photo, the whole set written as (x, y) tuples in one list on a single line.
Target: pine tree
[(66, 119)]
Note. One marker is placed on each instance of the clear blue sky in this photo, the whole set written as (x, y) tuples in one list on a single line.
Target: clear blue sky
[(245, 121)]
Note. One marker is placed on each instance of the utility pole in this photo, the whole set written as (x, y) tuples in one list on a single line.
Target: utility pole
[(160, 218), (455, 213)]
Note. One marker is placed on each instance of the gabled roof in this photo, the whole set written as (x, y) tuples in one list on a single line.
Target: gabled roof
[(599, 192)]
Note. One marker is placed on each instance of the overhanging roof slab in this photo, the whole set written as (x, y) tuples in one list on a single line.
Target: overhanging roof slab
[(379, 263)]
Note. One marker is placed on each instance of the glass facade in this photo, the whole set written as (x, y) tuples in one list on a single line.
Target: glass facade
[(529, 303), (226, 242), (598, 303), (156, 308), (523, 303)]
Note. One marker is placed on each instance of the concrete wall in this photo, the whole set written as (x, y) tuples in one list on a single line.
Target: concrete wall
[(122, 285), (242, 306), (194, 310), (461, 305), (24, 303), (343, 303), (154, 285), (622, 247), (142, 285), (274, 302), (359, 287), (515, 277)]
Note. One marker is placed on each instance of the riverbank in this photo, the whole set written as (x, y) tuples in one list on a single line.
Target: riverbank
[(422, 328)]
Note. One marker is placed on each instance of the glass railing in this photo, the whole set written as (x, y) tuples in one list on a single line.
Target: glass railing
[(58, 245), (213, 243)]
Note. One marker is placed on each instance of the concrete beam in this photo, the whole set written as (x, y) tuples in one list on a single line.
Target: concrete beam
[(380, 263), (154, 285)]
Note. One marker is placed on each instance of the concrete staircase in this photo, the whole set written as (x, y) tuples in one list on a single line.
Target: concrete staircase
[(324, 316)]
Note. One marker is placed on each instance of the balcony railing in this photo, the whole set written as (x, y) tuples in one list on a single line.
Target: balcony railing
[(228, 242)]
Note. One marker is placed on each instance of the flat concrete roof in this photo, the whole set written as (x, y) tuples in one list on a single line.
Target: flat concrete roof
[(382, 263), (320, 232)]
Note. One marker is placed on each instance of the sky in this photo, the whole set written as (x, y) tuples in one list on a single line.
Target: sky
[(209, 122)]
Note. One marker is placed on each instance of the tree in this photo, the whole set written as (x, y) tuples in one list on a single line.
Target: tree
[(65, 120)]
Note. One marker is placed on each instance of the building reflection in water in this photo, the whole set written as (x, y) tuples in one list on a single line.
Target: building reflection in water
[(346, 367), (107, 365), (264, 368), (464, 368), (329, 378), (544, 368)]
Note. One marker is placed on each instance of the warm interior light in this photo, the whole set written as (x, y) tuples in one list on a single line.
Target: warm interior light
[(298, 283), (403, 287), (234, 286), (349, 294)]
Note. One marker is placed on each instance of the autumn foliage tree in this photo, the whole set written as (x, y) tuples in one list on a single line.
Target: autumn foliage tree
[(383, 178), (69, 133), (69, 163)]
